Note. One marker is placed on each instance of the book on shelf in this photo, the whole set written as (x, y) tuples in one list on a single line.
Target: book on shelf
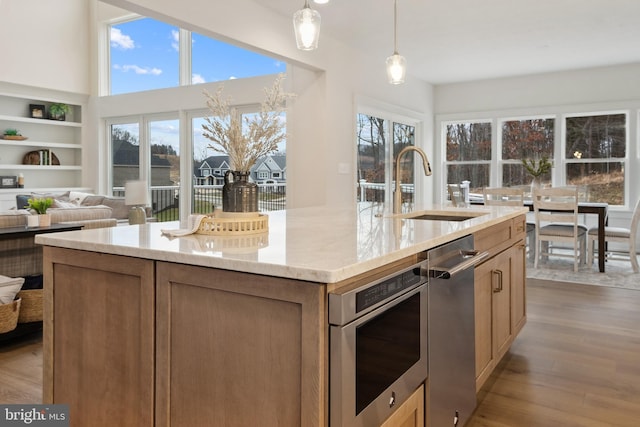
[(45, 157)]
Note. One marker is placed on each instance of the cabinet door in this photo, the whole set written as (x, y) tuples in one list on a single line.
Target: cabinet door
[(518, 281), (483, 294), (98, 344), (238, 349), (410, 413), (493, 311), (501, 311)]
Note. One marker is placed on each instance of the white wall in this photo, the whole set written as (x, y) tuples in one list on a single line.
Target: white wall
[(596, 85), (45, 44)]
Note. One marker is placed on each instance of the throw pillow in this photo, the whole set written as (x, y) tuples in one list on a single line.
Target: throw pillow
[(62, 196), (9, 288), (78, 196), (22, 200), (92, 200), (58, 203), (120, 210)]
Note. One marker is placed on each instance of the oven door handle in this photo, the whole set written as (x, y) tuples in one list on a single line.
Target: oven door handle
[(447, 272)]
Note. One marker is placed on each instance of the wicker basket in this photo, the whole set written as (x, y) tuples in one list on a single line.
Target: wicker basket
[(234, 224), (31, 307), (9, 316)]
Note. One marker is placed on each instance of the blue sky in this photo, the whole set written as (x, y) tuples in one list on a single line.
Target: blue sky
[(144, 56)]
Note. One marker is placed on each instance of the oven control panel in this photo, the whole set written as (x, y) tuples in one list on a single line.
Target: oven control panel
[(363, 299)]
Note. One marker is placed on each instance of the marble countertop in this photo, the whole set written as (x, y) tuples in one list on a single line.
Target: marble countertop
[(318, 244)]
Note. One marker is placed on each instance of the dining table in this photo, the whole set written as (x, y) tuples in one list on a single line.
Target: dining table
[(594, 208)]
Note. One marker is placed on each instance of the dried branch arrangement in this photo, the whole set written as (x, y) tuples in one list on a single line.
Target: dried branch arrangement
[(260, 134)]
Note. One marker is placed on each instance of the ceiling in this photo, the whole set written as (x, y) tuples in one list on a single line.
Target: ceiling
[(447, 41)]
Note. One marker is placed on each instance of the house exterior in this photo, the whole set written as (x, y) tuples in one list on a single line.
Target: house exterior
[(268, 170)]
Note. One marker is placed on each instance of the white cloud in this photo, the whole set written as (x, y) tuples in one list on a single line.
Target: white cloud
[(120, 40), (232, 77), (175, 44), (197, 78), (138, 70)]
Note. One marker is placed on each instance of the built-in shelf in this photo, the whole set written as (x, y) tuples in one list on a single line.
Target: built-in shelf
[(42, 167), (41, 144), (44, 122), (63, 138)]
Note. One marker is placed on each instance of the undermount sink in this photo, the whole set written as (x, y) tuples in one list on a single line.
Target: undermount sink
[(443, 216)]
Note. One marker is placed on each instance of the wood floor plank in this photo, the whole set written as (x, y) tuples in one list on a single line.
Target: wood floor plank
[(21, 369)]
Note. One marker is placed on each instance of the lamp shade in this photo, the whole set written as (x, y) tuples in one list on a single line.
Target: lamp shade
[(396, 69), (136, 193), (306, 25)]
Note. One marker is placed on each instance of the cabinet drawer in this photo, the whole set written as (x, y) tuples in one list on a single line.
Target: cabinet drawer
[(500, 236)]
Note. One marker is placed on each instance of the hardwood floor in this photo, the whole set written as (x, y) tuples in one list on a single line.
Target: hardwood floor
[(576, 363), (21, 369)]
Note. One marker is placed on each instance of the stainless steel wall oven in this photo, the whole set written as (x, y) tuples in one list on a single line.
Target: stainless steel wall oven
[(378, 347)]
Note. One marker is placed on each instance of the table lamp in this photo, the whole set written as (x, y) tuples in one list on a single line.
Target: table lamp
[(136, 196)]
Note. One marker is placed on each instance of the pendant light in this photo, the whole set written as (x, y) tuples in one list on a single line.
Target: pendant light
[(396, 64), (306, 25)]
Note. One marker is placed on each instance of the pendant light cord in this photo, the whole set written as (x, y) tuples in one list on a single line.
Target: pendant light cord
[(395, 27)]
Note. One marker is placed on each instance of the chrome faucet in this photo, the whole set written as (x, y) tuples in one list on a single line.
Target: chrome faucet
[(397, 193)]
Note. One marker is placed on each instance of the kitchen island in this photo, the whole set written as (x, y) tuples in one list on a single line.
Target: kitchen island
[(144, 330)]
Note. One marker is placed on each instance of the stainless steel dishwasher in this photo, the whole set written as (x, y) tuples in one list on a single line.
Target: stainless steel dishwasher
[(452, 386)]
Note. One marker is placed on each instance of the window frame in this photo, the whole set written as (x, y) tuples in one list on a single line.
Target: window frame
[(392, 114), (632, 159)]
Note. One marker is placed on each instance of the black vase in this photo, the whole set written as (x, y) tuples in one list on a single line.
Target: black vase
[(238, 194)]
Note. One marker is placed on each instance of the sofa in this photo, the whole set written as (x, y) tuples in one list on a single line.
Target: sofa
[(89, 210), (21, 258)]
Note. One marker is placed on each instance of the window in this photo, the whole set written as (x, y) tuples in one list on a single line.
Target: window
[(595, 153), (144, 54), (531, 139), (164, 149), (207, 191), (210, 61), (376, 158), (590, 151), (468, 154), (125, 155)]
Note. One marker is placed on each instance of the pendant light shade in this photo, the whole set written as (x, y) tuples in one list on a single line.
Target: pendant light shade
[(396, 69), (306, 25), (396, 64)]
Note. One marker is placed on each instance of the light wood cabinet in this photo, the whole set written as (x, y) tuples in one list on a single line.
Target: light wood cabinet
[(238, 349), (410, 413), (133, 342), (500, 310), (98, 341)]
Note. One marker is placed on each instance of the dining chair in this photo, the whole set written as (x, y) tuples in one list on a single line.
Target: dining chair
[(509, 196), (556, 215), (456, 196), (619, 235), (503, 196)]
